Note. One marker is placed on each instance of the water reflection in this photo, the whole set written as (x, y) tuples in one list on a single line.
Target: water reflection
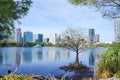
[(27, 55), (1, 58), (17, 57), (34, 60), (91, 57), (40, 55)]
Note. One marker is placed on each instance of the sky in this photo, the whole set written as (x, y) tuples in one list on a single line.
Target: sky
[(55, 16)]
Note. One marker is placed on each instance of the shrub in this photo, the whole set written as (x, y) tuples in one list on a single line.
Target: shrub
[(117, 74), (110, 60), (16, 77)]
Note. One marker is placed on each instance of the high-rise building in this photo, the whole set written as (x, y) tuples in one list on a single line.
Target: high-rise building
[(117, 28), (97, 38), (28, 36), (35, 38), (46, 40), (59, 38), (53, 38), (40, 37), (91, 35), (18, 37)]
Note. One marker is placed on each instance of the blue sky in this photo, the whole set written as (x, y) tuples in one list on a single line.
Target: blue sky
[(54, 16)]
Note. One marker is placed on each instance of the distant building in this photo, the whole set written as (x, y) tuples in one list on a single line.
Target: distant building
[(46, 40), (117, 28), (53, 38), (97, 38), (59, 38), (35, 38), (91, 35), (40, 38), (18, 35), (28, 36)]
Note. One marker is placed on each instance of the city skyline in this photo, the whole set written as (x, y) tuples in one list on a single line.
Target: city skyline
[(53, 16)]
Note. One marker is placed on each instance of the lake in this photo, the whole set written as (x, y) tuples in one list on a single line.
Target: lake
[(42, 61)]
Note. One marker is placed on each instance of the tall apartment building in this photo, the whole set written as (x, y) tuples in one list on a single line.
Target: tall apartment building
[(35, 38), (53, 38), (40, 37), (28, 36), (97, 38), (91, 35), (117, 28), (18, 35)]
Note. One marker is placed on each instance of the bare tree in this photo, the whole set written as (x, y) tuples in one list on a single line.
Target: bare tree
[(75, 41)]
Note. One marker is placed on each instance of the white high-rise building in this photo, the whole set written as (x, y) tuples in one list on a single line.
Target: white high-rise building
[(53, 38), (17, 35), (117, 28), (35, 37)]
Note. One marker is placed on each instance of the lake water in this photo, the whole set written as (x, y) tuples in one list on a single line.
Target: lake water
[(42, 61)]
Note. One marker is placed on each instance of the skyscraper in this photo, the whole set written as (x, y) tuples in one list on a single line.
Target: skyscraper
[(18, 35), (97, 38), (35, 38), (40, 37), (28, 36), (117, 28), (91, 35), (46, 40), (53, 38)]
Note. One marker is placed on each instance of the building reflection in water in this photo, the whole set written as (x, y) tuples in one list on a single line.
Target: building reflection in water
[(27, 55), (91, 57), (17, 56), (40, 55), (56, 54), (96, 62), (1, 58), (37, 54), (8, 56)]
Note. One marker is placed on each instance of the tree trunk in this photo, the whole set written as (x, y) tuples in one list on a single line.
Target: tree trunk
[(76, 64)]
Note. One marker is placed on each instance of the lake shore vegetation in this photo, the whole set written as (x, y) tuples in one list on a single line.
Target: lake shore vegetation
[(109, 65)]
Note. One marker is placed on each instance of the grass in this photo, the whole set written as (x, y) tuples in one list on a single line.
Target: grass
[(16, 77)]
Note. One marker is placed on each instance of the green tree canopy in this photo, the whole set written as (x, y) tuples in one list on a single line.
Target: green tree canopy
[(11, 11), (109, 8)]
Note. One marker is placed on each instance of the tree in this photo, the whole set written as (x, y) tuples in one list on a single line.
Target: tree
[(75, 41), (11, 11), (109, 8)]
